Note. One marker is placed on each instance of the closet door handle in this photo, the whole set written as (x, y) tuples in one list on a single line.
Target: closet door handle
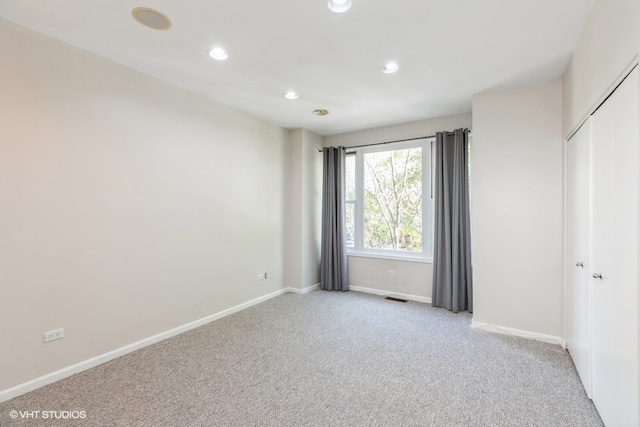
[(597, 276), (579, 264)]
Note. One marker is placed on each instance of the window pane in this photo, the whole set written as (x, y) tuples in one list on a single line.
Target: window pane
[(393, 200), (350, 224), (350, 177)]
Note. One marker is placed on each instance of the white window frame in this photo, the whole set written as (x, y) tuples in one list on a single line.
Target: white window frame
[(427, 203)]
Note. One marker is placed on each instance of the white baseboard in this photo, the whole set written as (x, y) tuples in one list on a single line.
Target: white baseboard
[(551, 339), (390, 294), (304, 290), (52, 377)]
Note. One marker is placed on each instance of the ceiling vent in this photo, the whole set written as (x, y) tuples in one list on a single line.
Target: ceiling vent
[(151, 18)]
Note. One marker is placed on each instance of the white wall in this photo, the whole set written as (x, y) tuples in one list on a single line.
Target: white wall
[(312, 208), (128, 206), (604, 51), (414, 129), (303, 209), (412, 278), (517, 208), (293, 207)]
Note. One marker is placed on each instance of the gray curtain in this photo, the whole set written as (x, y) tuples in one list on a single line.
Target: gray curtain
[(333, 255), (452, 283)]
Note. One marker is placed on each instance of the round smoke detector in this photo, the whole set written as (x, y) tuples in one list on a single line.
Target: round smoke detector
[(151, 18)]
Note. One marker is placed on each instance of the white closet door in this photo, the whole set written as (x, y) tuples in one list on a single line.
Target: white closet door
[(578, 297), (614, 256)]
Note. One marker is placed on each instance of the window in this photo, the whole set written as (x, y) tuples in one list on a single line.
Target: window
[(388, 200)]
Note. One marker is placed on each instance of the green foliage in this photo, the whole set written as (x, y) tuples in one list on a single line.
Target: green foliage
[(393, 200)]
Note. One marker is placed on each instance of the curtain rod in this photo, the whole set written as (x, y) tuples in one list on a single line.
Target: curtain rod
[(391, 142)]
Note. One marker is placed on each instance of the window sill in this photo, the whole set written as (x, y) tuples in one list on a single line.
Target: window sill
[(393, 257)]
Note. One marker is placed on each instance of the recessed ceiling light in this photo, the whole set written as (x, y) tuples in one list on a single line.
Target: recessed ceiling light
[(339, 6), (320, 112), (151, 18), (390, 67), (218, 53), (291, 95)]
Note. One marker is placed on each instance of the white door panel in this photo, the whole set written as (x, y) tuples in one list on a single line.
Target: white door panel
[(578, 294), (614, 239)]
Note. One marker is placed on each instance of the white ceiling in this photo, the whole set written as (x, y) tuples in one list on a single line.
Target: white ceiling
[(447, 50)]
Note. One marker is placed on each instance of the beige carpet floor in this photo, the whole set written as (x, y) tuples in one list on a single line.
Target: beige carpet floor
[(325, 359)]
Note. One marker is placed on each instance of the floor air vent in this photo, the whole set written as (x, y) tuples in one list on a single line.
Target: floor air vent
[(396, 299)]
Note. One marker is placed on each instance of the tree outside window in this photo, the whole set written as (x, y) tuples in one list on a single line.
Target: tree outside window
[(384, 200)]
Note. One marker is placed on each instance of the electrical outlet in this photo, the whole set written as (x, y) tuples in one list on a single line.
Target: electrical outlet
[(261, 276), (391, 272), (54, 335)]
